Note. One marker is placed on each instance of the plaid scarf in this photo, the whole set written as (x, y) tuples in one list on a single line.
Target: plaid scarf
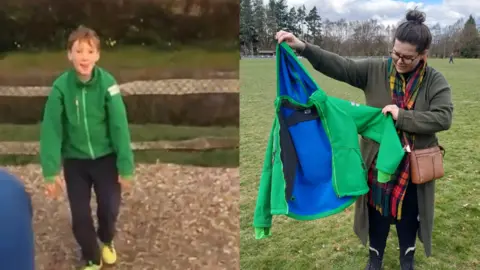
[(387, 197)]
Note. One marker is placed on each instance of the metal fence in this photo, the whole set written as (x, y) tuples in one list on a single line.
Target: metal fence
[(144, 87), (189, 102)]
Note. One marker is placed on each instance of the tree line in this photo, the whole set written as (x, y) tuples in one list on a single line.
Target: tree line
[(45, 24), (259, 22)]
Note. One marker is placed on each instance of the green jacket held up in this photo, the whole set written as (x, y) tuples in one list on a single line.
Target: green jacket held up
[(85, 120), (342, 121)]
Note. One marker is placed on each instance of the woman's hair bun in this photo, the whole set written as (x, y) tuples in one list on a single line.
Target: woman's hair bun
[(416, 16)]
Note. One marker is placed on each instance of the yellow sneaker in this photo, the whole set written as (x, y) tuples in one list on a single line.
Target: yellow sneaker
[(92, 266), (109, 255)]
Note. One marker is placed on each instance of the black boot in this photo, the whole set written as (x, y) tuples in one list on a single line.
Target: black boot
[(374, 262), (407, 261)]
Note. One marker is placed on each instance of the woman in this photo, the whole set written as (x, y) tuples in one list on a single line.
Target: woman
[(422, 106)]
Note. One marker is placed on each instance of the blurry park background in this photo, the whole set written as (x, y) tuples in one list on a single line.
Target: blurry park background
[(177, 65), (260, 20)]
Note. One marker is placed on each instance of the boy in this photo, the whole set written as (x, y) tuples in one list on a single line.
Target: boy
[(85, 126)]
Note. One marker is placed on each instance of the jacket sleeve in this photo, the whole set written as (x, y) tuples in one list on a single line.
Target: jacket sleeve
[(438, 118), (372, 124), (119, 132), (352, 72), (51, 135), (262, 219)]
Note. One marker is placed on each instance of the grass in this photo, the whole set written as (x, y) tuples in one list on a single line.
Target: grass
[(330, 243), (213, 158), (130, 58)]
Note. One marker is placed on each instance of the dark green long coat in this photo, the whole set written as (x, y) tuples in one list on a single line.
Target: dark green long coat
[(432, 113)]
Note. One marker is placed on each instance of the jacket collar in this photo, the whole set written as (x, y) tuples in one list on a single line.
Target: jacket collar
[(78, 82)]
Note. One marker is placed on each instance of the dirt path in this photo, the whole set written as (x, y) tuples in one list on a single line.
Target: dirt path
[(175, 217)]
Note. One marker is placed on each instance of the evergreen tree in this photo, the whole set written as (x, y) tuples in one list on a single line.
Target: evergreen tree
[(247, 29), (314, 25), (271, 24), (301, 15), (259, 19), (281, 15), (292, 21), (470, 39)]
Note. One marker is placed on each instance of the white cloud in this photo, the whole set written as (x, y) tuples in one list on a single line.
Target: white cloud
[(445, 12)]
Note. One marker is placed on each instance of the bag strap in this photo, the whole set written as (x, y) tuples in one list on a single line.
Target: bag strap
[(442, 150), (408, 148)]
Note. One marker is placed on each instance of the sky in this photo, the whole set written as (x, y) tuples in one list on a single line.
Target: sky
[(445, 12)]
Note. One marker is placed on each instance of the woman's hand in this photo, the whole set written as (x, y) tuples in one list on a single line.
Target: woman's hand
[(392, 109), (290, 39)]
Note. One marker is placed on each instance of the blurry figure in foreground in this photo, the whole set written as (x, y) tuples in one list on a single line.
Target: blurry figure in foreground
[(17, 248)]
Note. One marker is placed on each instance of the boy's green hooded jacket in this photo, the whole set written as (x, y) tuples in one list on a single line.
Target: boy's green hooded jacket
[(85, 120)]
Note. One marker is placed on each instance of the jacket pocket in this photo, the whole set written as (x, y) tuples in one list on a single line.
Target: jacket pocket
[(350, 178)]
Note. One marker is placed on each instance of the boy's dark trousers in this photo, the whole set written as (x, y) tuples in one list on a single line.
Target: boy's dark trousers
[(80, 177), (407, 228)]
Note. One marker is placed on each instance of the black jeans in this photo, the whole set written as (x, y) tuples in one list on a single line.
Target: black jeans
[(80, 176), (407, 226)]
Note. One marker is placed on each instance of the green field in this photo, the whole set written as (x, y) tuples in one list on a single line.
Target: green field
[(126, 63), (330, 243), (139, 133), (126, 58)]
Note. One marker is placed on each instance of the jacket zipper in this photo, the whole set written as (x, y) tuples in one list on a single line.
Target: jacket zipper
[(92, 154), (78, 110), (279, 149), (334, 175)]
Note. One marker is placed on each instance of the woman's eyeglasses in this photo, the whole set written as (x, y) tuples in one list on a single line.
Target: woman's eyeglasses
[(405, 59)]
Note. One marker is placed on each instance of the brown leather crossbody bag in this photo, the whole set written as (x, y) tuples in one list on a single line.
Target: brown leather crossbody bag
[(426, 164)]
